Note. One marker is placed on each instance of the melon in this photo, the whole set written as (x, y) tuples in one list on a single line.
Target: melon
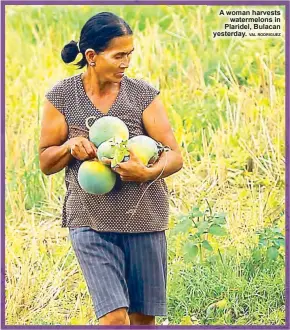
[(145, 148), (106, 128), (96, 178), (106, 149)]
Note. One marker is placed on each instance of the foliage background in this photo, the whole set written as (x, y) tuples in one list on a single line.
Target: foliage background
[(225, 101)]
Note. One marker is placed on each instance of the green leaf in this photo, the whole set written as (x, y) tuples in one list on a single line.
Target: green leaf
[(190, 251), (217, 230), (276, 230), (256, 255), (280, 236), (281, 241), (186, 320), (206, 245), (263, 242), (272, 253), (202, 226), (183, 226), (222, 304), (196, 213), (119, 153), (181, 217), (195, 208), (219, 221), (191, 147), (212, 308), (220, 215), (194, 238)]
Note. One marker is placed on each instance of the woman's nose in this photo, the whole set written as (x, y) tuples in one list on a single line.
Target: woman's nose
[(125, 63)]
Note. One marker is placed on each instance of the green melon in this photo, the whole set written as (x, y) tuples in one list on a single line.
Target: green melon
[(106, 128), (96, 178), (106, 149), (145, 148)]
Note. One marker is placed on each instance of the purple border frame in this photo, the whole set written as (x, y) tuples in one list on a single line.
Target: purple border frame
[(287, 172)]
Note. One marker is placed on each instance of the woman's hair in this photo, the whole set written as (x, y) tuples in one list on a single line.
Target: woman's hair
[(97, 33)]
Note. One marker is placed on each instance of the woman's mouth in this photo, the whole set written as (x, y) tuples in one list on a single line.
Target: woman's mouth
[(120, 74)]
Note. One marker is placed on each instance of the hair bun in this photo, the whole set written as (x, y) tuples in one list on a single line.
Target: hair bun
[(70, 52)]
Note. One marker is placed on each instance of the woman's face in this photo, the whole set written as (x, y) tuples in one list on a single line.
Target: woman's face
[(114, 60)]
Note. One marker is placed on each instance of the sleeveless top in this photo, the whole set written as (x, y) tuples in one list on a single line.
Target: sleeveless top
[(115, 211)]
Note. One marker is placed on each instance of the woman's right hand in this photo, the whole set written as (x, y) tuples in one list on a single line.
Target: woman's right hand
[(81, 148)]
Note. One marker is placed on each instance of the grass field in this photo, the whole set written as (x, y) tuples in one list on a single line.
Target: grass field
[(225, 101)]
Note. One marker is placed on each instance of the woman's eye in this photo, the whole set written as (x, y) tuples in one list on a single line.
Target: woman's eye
[(119, 57)]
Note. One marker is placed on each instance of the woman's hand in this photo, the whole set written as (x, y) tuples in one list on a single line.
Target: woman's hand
[(81, 148), (132, 170)]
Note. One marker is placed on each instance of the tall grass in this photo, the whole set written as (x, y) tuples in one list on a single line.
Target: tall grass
[(225, 101)]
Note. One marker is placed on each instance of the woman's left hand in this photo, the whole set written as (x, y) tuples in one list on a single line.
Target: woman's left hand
[(132, 170)]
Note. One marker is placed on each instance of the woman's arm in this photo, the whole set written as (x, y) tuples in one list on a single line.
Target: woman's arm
[(157, 125), (54, 151)]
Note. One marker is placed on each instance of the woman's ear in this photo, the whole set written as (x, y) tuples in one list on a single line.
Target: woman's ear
[(90, 55)]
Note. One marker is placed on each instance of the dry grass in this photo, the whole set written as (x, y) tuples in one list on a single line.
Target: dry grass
[(225, 100)]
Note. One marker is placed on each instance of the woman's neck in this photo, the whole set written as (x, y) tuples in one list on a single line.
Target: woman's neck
[(94, 85)]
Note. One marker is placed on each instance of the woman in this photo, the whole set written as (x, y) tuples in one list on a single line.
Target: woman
[(122, 254)]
